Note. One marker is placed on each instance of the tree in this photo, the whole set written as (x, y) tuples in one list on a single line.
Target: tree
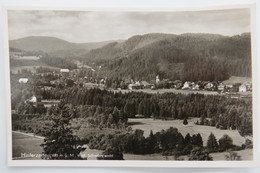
[(60, 143), (196, 140), (199, 153), (151, 143), (225, 142), (245, 128), (187, 139), (129, 109), (185, 122), (212, 143)]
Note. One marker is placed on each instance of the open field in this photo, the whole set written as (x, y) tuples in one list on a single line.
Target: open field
[(31, 68), (26, 144), (235, 79), (28, 58), (157, 125), (161, 91)]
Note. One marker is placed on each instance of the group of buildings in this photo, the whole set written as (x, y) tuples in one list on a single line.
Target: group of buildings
[(196, 86)]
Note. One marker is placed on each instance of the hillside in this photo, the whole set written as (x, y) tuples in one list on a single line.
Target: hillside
[(187, 57)]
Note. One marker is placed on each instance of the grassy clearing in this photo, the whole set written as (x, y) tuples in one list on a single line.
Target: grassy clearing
[(31, 68), (26, 144), (235, 79), (157, 125), (28, 58)]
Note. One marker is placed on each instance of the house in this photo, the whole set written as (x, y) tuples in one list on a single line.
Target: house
[(102, 81), (145, 84), (196, 87), (243, 88), (249, 86), (64, 70), (187, 85), (134, 86), (209, 86), (229, 86), (23, 80), (177, 84), (33, 99), (221, 87)]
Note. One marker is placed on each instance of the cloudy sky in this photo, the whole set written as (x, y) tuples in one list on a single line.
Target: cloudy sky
[(100, 26)]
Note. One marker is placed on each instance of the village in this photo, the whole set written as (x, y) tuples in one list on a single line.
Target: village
[(48, 80)]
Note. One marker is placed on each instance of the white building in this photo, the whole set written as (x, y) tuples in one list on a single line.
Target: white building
[(196, 87), (221, 87), (157, 80), (64, 70), (243, 88), (187, 85), (23, 80), (33, 99), (134, 86), (209, 86)]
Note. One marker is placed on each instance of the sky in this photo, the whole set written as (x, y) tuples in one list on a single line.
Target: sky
[(94, 26)]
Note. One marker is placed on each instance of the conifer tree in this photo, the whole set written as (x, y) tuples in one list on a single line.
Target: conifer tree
[(185, 122), (60, 143), (212, 143)]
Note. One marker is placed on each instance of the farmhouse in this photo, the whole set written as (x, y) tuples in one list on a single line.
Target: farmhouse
[(23, 80), (243, 88), (209, 86), (177, 84), (229, 86), (187, 85), (196, 87), (249, 86), (134, 86), (33, 99), (145, 84)]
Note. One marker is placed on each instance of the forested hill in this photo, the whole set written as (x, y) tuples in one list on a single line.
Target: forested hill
[(188, 56)]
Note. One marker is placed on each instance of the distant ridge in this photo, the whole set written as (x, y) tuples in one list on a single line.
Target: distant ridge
[(52, 44)]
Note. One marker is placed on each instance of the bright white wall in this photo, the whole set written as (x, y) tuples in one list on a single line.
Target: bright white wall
[(105, 3)]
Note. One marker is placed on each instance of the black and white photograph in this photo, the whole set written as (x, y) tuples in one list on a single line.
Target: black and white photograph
[(131, 85)]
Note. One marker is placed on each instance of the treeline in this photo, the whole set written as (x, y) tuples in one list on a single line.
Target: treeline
[(169, 142), (103, 117), (219, 111)]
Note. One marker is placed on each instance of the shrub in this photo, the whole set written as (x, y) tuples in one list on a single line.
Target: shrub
[(225, 142)]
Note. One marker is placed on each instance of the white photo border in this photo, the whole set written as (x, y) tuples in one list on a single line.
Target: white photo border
[(137, 163)]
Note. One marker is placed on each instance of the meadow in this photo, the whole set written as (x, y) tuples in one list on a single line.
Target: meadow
[(157, 125), (27, 143)]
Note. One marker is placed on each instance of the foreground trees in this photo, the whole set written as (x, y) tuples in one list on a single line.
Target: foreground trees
[(60, 143), (200, 153)]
